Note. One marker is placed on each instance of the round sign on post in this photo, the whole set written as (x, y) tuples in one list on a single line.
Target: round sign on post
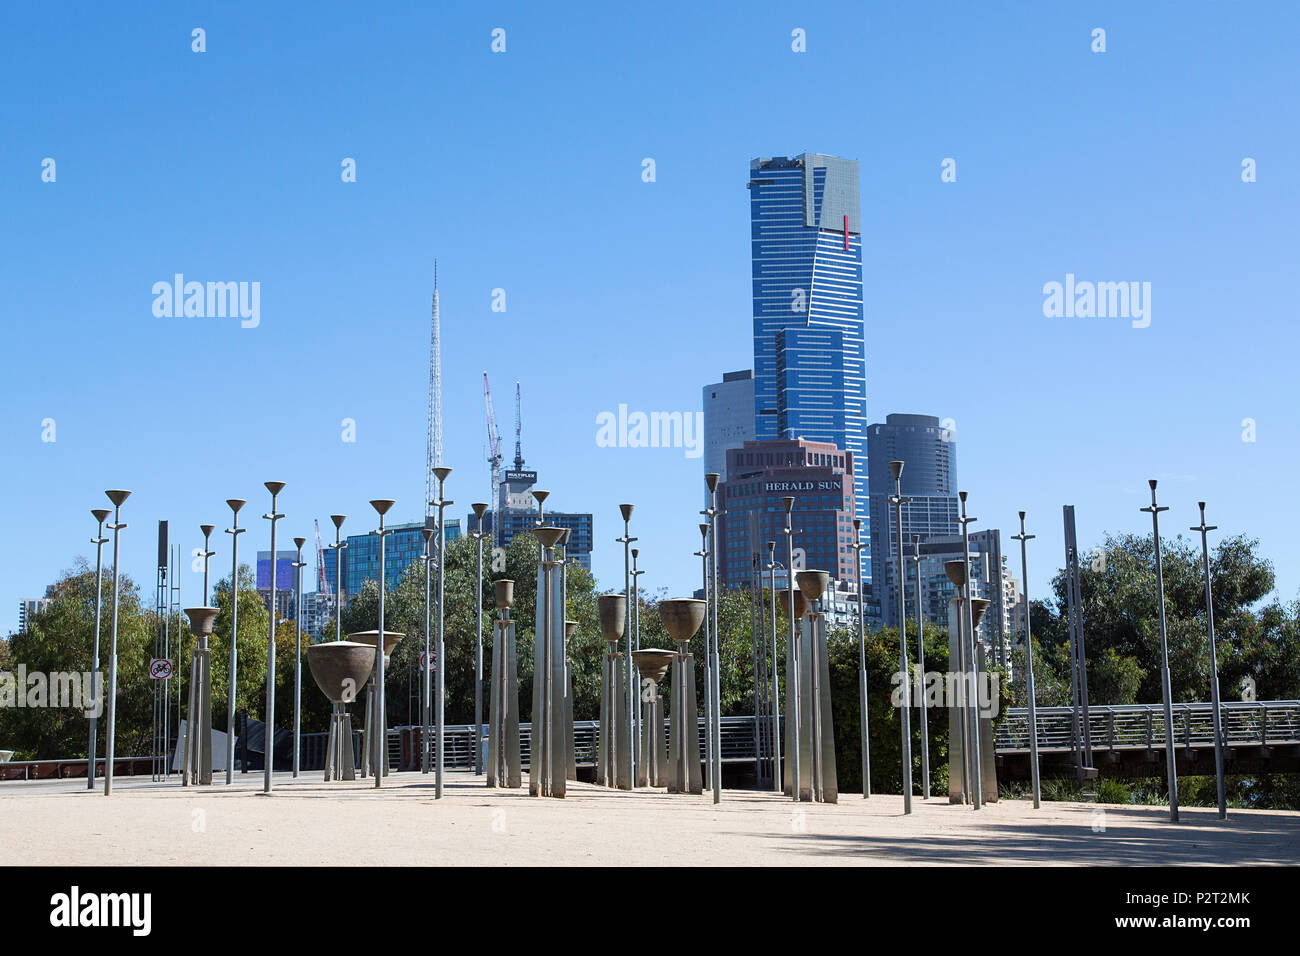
[(426, 659), (160, 669)]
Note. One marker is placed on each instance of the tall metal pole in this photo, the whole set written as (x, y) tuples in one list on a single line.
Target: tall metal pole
[(1204, 529), (479, 508), (207, 530), (1029, 662), (640, 759), (116, 496), (865, 744), (791, 648), (442, 471), (703, 555), (896, 469), (297, 659), (712, 482), (426, 669), (972, 660), (232, 673), (339, 545), (98, 541), (774, 707), (379, 723), (631, 694), (1171, 766), (274, 487), (920, 663)]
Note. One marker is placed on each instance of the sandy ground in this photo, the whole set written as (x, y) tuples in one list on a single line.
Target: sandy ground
[(307, 822)]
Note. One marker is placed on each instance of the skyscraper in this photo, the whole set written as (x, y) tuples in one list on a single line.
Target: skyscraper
[(809, 358), (728, 418), (929, 479)]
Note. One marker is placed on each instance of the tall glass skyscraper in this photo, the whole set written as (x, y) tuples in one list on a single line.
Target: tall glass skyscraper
[(809, 358)]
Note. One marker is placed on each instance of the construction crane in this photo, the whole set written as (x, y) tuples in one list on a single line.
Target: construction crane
[(519, 455), (493, 457), (433, 448)]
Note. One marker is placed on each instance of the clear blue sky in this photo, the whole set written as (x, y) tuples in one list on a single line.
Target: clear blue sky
[(522, 171)]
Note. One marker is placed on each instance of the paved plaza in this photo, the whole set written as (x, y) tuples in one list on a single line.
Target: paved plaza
[(308, 822)]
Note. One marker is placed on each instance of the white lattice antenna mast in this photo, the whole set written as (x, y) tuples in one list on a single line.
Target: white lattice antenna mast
[(433, 451)]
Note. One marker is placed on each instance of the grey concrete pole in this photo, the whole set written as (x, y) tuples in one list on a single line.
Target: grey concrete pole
[(1029, 662), (117, 497), (98, 541), (920, 664), (232, 672), (896, 469), (297, 659), (865, 742), (1171, 765), (274, 487), (776, 681), (793, 756), (1204, 529), (977, 766)]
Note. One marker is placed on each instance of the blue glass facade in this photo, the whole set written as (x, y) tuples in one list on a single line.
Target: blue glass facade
[(809, 356), (361, 557)]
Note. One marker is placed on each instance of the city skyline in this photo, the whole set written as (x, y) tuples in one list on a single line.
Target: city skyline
[(187, 412)]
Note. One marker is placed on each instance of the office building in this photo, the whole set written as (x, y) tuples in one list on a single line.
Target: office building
[(820, 478), (402, 547), (929, 479), (728, 418), (809, 357)]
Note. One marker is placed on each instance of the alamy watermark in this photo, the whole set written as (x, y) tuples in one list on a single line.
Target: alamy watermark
[(213, 300), (949, 689), (80, 690), (1099, 300), (626, 429)]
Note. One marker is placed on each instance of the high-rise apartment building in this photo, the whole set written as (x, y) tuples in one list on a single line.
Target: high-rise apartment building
[(402, 548), (809, 358)]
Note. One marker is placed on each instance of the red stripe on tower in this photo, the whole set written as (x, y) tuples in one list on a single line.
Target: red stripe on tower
[(846, 232)]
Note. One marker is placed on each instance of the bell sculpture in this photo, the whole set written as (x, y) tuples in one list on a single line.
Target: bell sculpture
[(547, 763), (340, 669), (813, 693), (653, 665), (374, 758), (613, 761), (503, 700), (682, 617), (571, 754), (196, 754), (968, 715)]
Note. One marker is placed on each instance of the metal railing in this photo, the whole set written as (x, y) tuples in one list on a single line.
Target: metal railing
[(1256, 723)]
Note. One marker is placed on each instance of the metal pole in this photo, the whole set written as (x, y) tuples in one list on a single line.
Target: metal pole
[(712, 482), (1171, 765), (972, 660), (479, 509), (896, 468), (232, 674), (379, 720), (297, 660), (793, 755), (1204, 529), (776, 679), (640, 759), (98, 541), (703, 554), (442, 471), (117, 497), (920, 649), (339, 545), (274, 487), (865, 743), (426, 670), (1029, 662), (631, 694)]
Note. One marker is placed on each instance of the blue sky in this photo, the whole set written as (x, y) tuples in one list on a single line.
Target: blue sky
[(522, 171)]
